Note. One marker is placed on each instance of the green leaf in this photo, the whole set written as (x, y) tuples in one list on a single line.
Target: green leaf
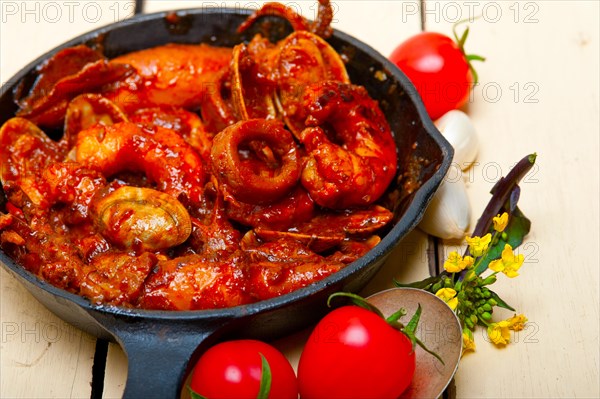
[(423, 284), (265, 379), (517, 229), (194, 394), (501, 302)]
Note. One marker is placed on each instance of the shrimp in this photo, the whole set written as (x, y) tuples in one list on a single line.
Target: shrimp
[(164, 156), (186, 123), (352, 164), (213, 236)]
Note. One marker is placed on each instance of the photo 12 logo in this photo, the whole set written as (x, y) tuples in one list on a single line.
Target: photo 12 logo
[(38, 332), (489, 172), (518, 92), (455, 11), (55, 12)]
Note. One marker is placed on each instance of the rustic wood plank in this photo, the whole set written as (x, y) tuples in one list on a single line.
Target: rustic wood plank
[(42, 356), (539, 92), (115, 373)]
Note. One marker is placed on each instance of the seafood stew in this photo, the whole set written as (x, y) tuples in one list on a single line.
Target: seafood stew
[(239, 186)]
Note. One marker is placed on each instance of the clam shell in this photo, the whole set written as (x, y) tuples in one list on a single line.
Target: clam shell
[(141, 218)]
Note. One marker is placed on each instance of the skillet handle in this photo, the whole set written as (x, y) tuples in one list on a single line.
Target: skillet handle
[(159, 355)]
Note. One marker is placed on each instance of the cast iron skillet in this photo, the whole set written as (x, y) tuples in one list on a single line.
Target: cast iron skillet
[(160, 344)]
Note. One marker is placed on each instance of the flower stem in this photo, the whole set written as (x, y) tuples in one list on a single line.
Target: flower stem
[(485, 323), (482, 257)]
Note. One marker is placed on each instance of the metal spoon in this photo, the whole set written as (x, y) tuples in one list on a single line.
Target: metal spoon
[(439, 329)]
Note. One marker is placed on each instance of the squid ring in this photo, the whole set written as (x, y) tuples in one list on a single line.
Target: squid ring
[(257, 160), (352, 163)]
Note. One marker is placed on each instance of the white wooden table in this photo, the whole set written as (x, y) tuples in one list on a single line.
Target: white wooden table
[(538, 92)]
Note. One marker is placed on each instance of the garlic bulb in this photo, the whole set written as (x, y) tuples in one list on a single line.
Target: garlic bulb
[(449, 212), (457, 128)]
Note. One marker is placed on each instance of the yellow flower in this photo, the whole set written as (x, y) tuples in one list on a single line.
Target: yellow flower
[(468, 341), (478, 245), (454, 263), (517, 322), (469, 261), (509, 264), (497, 265), (448, 295), (499, 332), (500, 222)]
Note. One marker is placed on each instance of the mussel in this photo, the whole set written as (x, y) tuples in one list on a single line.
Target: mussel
[(141, 218)]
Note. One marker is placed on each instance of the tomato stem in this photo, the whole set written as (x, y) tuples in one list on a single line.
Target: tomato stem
[(461, 45), (411, 328), (356, 300), (396, 316), (410, 332), (422, 345)]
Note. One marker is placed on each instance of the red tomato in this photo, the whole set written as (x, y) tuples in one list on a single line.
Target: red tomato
[(438, 68), (354, 353), (233, 369)]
